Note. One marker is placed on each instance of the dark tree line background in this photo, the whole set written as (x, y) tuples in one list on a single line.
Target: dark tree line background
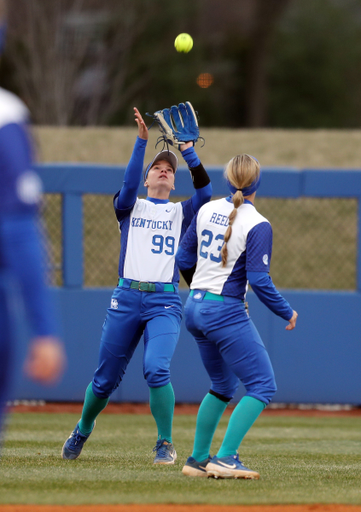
[(274, 63)]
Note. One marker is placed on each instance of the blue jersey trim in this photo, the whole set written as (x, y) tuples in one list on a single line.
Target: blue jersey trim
[(121, 214), (259, 248), (230, 200), (235, 285), (157, 201), (124, 226)]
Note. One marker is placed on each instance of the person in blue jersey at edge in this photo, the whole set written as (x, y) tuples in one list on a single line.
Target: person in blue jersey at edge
[(146, 300), (232, 246), (21, 251)]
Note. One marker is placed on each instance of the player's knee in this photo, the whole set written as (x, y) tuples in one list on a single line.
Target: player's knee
[(156, 376), (227, 390), (104, 388), (270, 389), (223, 398), (263, 391), (268, 394)]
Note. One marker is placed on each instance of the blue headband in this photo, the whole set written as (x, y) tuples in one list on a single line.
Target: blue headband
[(246, 191), (2, 36)]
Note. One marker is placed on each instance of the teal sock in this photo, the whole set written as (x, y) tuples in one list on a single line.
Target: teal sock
[(241, 420), (161, 401), (209, 414), (91, 408)]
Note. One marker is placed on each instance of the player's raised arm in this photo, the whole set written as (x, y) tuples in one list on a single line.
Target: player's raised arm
[(126, 198), (142, 128)]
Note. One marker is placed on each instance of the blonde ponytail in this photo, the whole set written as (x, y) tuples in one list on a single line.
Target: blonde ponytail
[(238, 200), (240, 172)]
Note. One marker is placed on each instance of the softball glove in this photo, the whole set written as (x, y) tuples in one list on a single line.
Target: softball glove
[(178, 124)]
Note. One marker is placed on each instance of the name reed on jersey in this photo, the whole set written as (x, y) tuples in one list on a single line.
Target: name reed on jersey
[(218, 218)]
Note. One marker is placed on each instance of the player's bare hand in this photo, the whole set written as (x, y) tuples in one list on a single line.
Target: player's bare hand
[(292, 322), (185, 146), (46, 360), (142, 128)]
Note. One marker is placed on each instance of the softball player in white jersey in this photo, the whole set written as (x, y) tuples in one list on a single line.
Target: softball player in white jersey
[(232, 245), (146, 299)]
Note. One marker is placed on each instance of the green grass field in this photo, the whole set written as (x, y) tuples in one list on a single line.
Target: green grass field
[(300, 459)]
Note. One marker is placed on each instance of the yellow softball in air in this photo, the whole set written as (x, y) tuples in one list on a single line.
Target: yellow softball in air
[(183, 43)]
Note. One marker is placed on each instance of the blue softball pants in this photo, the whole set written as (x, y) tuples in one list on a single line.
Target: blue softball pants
[(156, 314), (6, 341), (230, 346)]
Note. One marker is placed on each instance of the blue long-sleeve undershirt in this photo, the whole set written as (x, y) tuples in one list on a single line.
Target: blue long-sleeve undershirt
[(191, 157), (21, 253), (132, 176), (263, 287)]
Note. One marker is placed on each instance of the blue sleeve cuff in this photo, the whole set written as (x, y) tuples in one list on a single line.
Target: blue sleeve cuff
[(191, 157)]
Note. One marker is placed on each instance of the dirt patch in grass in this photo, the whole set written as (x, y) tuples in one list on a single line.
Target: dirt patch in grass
[(143, 408)]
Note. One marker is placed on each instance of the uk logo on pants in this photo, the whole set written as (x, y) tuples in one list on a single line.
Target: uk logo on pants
[(114, 304)]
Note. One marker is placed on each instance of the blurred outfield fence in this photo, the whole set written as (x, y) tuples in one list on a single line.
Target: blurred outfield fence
[(316, 261), (315, 235)]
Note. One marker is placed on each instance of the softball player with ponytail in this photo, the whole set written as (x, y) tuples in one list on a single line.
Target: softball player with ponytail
[(232, 246), (146, 299)]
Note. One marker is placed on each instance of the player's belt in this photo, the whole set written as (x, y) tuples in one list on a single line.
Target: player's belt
[(143, 286), (210, 296), (199, 294)]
